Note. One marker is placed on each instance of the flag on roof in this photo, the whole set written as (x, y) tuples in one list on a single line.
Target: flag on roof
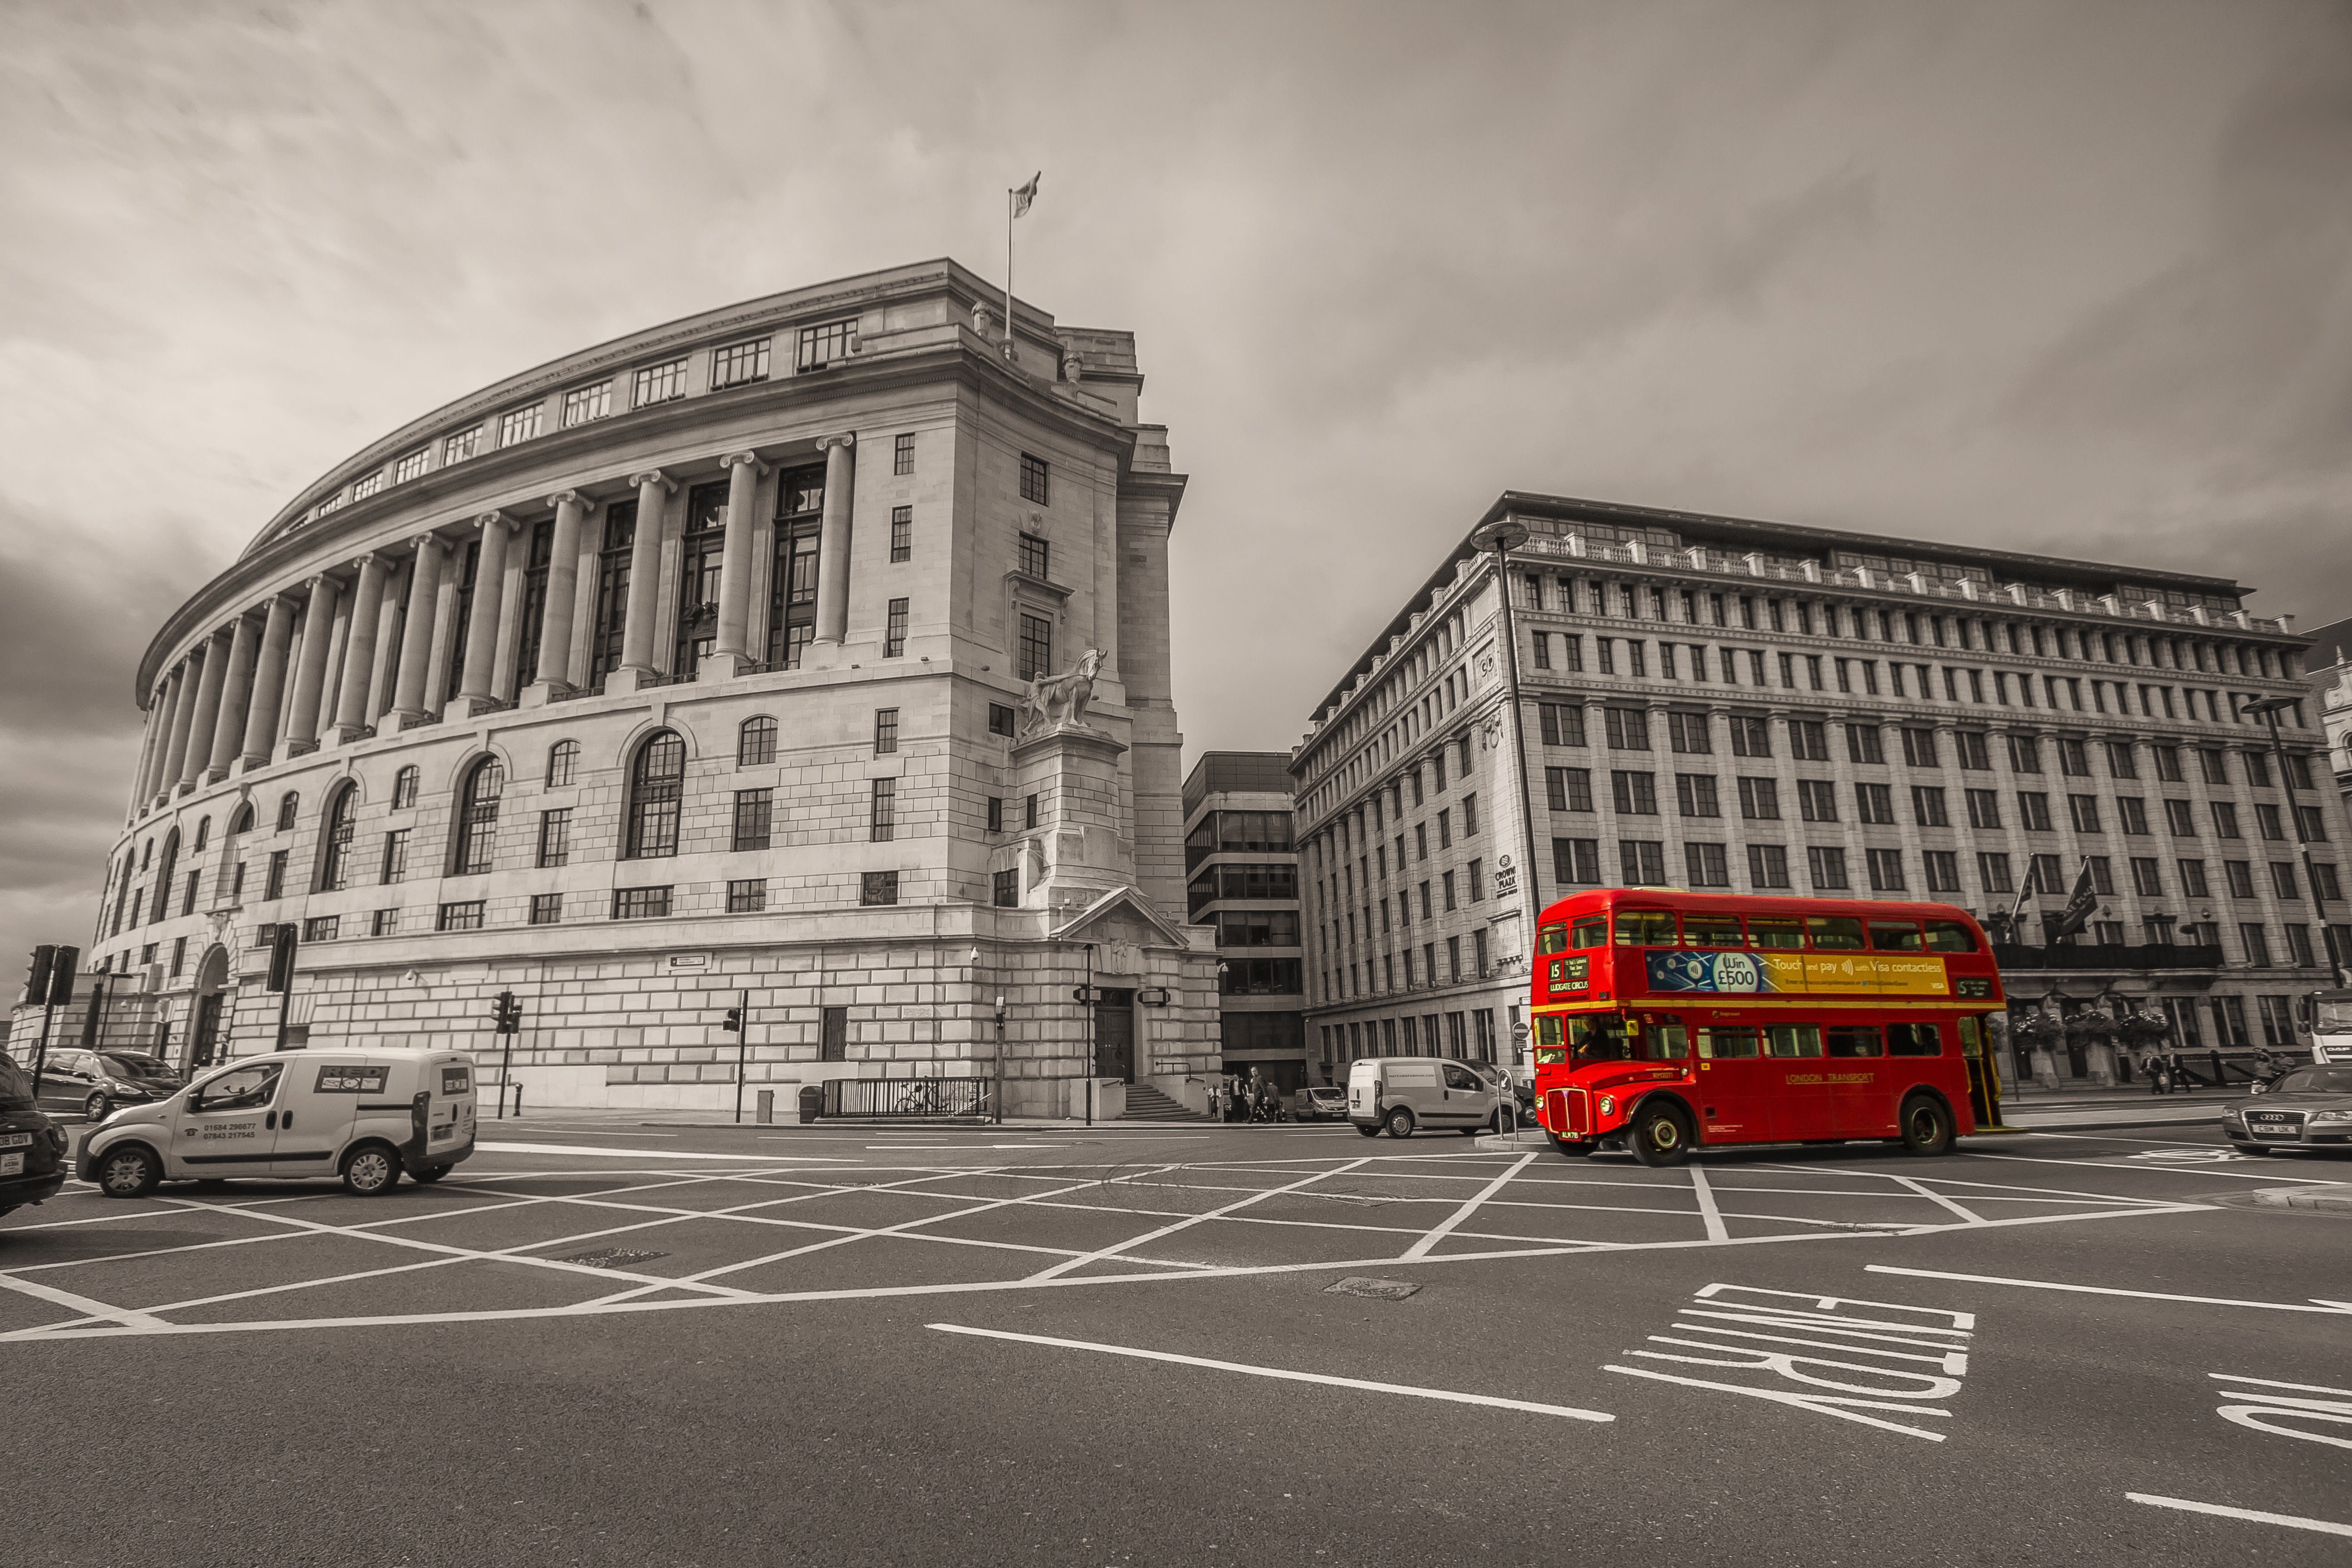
[(1024, 195)]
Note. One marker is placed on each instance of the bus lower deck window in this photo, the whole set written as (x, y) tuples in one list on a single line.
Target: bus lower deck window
[(1914, 1040), (1726, 1045), (1854, 1040), (1794, 1040)]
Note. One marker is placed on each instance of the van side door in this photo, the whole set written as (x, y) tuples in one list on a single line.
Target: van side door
[(228, 1124), (320, 1103)]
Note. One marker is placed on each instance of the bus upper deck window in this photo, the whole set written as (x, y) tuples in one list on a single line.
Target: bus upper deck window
[(1551, 939), (1589, 932), (1775, 931), (1711, 931), (1895, 936), (1645, 928), (1950, 936), (1834, 933)]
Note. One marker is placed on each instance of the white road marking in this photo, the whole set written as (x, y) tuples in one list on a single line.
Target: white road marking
[(1934, 1196), (2283, 1410), (2273, 1175), (1166, 1230), (2292, 1521), (1707, 1211), (2330, 1308), (83, 1304), (1439, 1232), (1284, 1373), (647, 1154)]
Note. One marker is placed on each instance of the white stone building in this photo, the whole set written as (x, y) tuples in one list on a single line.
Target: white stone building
[(692, 668)]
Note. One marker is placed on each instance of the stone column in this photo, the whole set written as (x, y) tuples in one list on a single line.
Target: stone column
[(148, 742), (310, 670), (475, 686), (731, 653), (416, 633), (553, 677), (184, 713), (205, 715), (833, 540), (236, 695), (359, 650), (636, 667), (268, 684), (167, 708)]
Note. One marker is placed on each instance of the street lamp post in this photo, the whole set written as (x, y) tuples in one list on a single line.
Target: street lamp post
[(2269, 708), (1502, 536)]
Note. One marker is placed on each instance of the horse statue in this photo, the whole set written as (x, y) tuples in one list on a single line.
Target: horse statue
[(1057, 702)]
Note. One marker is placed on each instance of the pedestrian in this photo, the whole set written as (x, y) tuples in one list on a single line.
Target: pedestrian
[(2159, 1081)]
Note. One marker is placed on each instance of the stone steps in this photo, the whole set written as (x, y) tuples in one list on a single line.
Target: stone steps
[(1145, 1103)]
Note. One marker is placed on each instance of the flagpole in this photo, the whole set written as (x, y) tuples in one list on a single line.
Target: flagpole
[(1008, 278)]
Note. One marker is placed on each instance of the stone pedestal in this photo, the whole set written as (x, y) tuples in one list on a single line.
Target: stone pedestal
[(723, 667), (539, 693), (627, 678), (1076, 853)]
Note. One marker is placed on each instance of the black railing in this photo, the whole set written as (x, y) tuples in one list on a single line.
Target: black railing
[(906, 1097), (2107, 957)]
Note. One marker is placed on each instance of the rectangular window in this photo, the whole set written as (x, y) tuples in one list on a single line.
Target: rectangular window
[(1036, 557), (1874, 803), (2193, 880), (1695, 795), (1562, 724), (1760, 800), (1993, 871), (2033, 811), (1036, 480), (384, 923), (1565, 789), (2216, 770), (1006, 889), (2148, 879), (519, 424), (2181, 819), (1469, 815), (274, 886), (1750, 737), (1861, 743), (368, 486), (317, 928), (2134, 811), (2324, 884), (640, 903), (885, 730), (655, 384), (2282, 879), (754, 818), (1000, 719), (1809, 740), (2299, 953), (2312, 822), (1827, 866), (1641, 861), (1447, 881), (902, 454), (876, 888), (2024, 754), (2121, 764), (883, 812), (2083, 810), (2073, 759), (1706, 865), (1943, 870), (2168, 763), (1687, 733), (1029, 811), (2268, 823), (828, 343), (457, 448), (902, 533), (1816, 800), (467, 916), (1636, 794), (410, 467), (747, 895), (1928, 805), (1629, 727), (2257, 942), (739, 364), (1543, 650), (1920, 749), (395, 855), (2225, 819), (1576, 862), (584, 404), (1768, 866), (555, 837), (546, 909), (1477, 888), (1885, 870), (894, 633), (1036, 648)]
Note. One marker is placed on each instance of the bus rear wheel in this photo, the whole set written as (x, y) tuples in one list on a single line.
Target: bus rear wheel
[(1927, 1126), (1659, 1134)]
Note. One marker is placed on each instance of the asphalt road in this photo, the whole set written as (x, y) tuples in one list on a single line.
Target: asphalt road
[(600, 1343)]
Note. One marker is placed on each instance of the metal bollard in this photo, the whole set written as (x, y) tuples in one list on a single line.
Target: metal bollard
[(518, 1089)]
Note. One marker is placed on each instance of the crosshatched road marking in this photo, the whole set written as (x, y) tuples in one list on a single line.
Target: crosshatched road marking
[(905, 1226), (1285, 1374)]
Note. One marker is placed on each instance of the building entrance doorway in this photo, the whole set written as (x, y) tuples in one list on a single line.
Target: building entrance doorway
[(1115, 1036)]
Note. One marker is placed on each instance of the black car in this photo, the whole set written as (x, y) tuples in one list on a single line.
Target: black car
[(32, 1147), (96, 1083)]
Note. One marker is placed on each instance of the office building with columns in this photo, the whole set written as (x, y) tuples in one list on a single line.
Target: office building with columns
[(1734, 706), (695, 668)]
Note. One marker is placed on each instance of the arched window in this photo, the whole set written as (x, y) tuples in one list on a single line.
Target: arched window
[(478, 816), (147, 854), (121, 896), (755, 743), (287, 805), (335, 848), (561, 758), (655, 786), (157, 906), (203, 833), (243, 821), (404, 789)]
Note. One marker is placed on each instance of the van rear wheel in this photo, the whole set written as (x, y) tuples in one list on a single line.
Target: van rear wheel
[(130, 1172), (1927, 1126), (1400, 1122), (370, 1169)]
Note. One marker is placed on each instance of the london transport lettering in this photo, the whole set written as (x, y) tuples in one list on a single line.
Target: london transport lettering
[(1667, 1020)]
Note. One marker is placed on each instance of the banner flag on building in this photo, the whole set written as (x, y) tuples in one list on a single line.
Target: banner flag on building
[(2079, 904), (1024, 195), (1017, 204)]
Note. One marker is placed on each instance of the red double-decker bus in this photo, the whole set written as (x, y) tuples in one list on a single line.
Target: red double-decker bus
[(1666, 1021)]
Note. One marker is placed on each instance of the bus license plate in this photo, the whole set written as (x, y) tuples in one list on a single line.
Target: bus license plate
[(12, 1164)]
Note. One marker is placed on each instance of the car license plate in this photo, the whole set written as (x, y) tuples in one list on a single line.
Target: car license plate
[(16, 1140), (12, 1164)]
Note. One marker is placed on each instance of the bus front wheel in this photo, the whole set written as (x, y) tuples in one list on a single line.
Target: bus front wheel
[(1659, 1134), (1927, 1126)]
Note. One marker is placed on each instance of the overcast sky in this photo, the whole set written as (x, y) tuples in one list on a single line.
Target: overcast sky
[(2069, 277)]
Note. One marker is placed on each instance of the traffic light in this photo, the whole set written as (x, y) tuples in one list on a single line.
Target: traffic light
[(733, 1022), (506, 1013), (62, 975), (282, 943), (36, 978)]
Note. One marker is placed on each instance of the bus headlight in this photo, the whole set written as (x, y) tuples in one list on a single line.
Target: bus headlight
[(1608, 1105)]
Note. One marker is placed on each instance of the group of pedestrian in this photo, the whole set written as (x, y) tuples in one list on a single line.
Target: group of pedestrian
[(1253, 1098)]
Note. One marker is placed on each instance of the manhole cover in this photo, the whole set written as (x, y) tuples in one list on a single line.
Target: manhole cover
[(1378, 1289), (612, 1258)]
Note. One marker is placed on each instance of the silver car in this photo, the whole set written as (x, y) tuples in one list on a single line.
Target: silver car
[(2306, 1107)]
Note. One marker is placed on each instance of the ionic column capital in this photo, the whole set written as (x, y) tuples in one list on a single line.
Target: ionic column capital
[(361, 563), (655, 476), (735, 459), (572, 498), (494, 523), (826, 443), (427, 540)]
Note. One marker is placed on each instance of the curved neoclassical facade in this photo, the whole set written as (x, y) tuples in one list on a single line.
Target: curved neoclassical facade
[(693, 670)]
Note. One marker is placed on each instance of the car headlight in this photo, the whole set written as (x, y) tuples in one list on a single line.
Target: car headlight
[(1608, 1105), (2331, 1116), (2233, 1114)]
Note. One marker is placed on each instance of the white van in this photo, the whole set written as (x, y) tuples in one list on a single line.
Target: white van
[(1402, 1093), (364, 1115)]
